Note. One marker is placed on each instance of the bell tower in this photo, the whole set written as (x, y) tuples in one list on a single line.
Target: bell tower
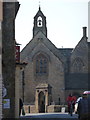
[(39, 23)]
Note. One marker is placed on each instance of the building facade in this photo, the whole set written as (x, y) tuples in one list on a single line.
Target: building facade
[(10, 10), (52, 73), (1, 60)]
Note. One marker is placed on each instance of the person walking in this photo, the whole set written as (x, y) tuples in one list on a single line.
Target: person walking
[(83, 108), (71, 100), (20, 106)]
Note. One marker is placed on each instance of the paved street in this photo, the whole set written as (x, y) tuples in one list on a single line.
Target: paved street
[(49, 116)]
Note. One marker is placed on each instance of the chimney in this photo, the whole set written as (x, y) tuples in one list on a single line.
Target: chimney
[(84, 32)]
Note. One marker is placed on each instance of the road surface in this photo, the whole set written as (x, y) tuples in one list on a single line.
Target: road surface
[(49, 116)]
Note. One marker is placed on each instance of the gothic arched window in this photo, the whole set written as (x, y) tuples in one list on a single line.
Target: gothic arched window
[(41, 65), (39, 21), (77, 65)]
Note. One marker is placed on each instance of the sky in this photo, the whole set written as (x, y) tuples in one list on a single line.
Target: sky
[(65, 19)]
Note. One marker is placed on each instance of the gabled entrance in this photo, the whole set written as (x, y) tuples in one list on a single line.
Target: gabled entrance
[(42, 98)]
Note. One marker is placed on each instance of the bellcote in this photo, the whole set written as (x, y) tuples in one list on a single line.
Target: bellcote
[(39, 23)]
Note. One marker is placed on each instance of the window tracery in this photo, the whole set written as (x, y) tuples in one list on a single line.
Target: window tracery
[(77, 65), (41, 65)]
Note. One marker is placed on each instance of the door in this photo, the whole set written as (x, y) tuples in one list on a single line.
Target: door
[(41, 102)]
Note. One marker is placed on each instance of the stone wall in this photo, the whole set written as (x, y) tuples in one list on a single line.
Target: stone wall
[(1, 17), (0, 72), (50, 109), (8, 55), (57, 108), (29, 109)]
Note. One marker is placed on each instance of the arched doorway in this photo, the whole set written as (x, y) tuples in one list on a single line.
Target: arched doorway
[(41, 102), (42, 97)]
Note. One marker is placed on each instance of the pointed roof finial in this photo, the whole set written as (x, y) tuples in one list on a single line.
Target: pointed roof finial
[(39, 6)]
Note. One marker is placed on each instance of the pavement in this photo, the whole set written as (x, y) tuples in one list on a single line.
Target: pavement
[(49, 116)]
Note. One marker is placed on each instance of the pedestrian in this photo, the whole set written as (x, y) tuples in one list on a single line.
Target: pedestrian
[(71, 100), (76, 104), (20, 106), (59, 100), (83, 108), (74, 101)]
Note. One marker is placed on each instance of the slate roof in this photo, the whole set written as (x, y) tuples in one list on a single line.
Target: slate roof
[(34, 42), (66, 51)]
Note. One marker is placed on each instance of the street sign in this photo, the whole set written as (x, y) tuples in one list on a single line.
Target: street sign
[(6, 103)]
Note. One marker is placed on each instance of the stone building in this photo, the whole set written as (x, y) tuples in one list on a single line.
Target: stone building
[(10, 10), (52, 73), (1, 18)]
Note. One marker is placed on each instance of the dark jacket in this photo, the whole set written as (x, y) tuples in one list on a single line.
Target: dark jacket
[(83, 108), (20, 103)]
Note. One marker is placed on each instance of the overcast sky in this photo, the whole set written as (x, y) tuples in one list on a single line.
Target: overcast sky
[(65, 19)]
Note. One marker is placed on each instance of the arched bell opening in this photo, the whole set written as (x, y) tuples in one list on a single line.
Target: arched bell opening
[(39, 21)]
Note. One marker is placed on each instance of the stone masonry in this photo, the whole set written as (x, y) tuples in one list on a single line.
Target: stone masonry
[(1, 60), (10, 10)]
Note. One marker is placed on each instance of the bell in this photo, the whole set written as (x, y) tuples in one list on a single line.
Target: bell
[(39, 22)]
